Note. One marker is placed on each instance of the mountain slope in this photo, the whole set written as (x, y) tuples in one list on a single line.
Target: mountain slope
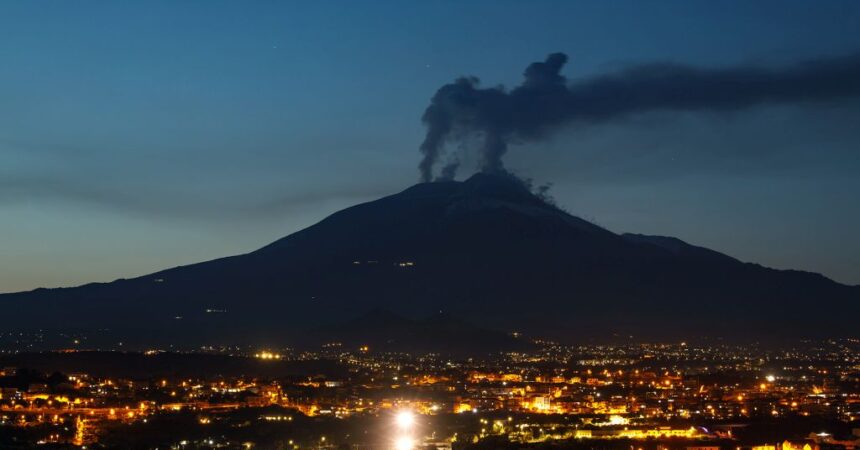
[(485, 250)]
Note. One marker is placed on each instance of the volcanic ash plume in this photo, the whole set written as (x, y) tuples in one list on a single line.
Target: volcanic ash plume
[(545, 101)]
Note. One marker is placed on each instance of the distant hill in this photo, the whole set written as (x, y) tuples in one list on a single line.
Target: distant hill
[(486, 251), (381, 330), (173, 365)]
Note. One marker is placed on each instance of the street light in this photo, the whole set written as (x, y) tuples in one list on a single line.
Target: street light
[(404, 443), (405, 420)]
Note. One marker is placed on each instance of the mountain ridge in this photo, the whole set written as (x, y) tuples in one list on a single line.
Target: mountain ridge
[(485, 249)]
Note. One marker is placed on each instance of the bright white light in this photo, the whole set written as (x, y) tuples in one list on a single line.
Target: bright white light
[(404, 443), (618, 420), (405, 419), (770, 378)]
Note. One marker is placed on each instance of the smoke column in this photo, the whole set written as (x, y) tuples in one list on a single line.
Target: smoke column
[(546, 101)]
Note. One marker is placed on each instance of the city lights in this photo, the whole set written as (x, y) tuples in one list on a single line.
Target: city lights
[(531, 404), (267, 355)]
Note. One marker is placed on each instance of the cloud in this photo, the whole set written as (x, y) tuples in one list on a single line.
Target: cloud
[(178, 204)]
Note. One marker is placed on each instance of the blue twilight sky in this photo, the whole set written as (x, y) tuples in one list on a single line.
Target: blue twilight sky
[(136, 136)]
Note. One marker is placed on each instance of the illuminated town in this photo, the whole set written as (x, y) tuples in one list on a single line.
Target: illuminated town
[(648, 396), (430, 225)]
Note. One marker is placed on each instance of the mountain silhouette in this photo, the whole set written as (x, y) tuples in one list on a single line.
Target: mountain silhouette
[(485, 250)]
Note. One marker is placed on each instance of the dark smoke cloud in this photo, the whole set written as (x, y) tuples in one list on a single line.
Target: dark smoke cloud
[(546, 101)]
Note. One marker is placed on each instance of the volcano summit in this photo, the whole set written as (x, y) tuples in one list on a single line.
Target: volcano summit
[(485, 250)]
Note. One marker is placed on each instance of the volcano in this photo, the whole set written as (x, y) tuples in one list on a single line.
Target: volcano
[(485, 250)]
